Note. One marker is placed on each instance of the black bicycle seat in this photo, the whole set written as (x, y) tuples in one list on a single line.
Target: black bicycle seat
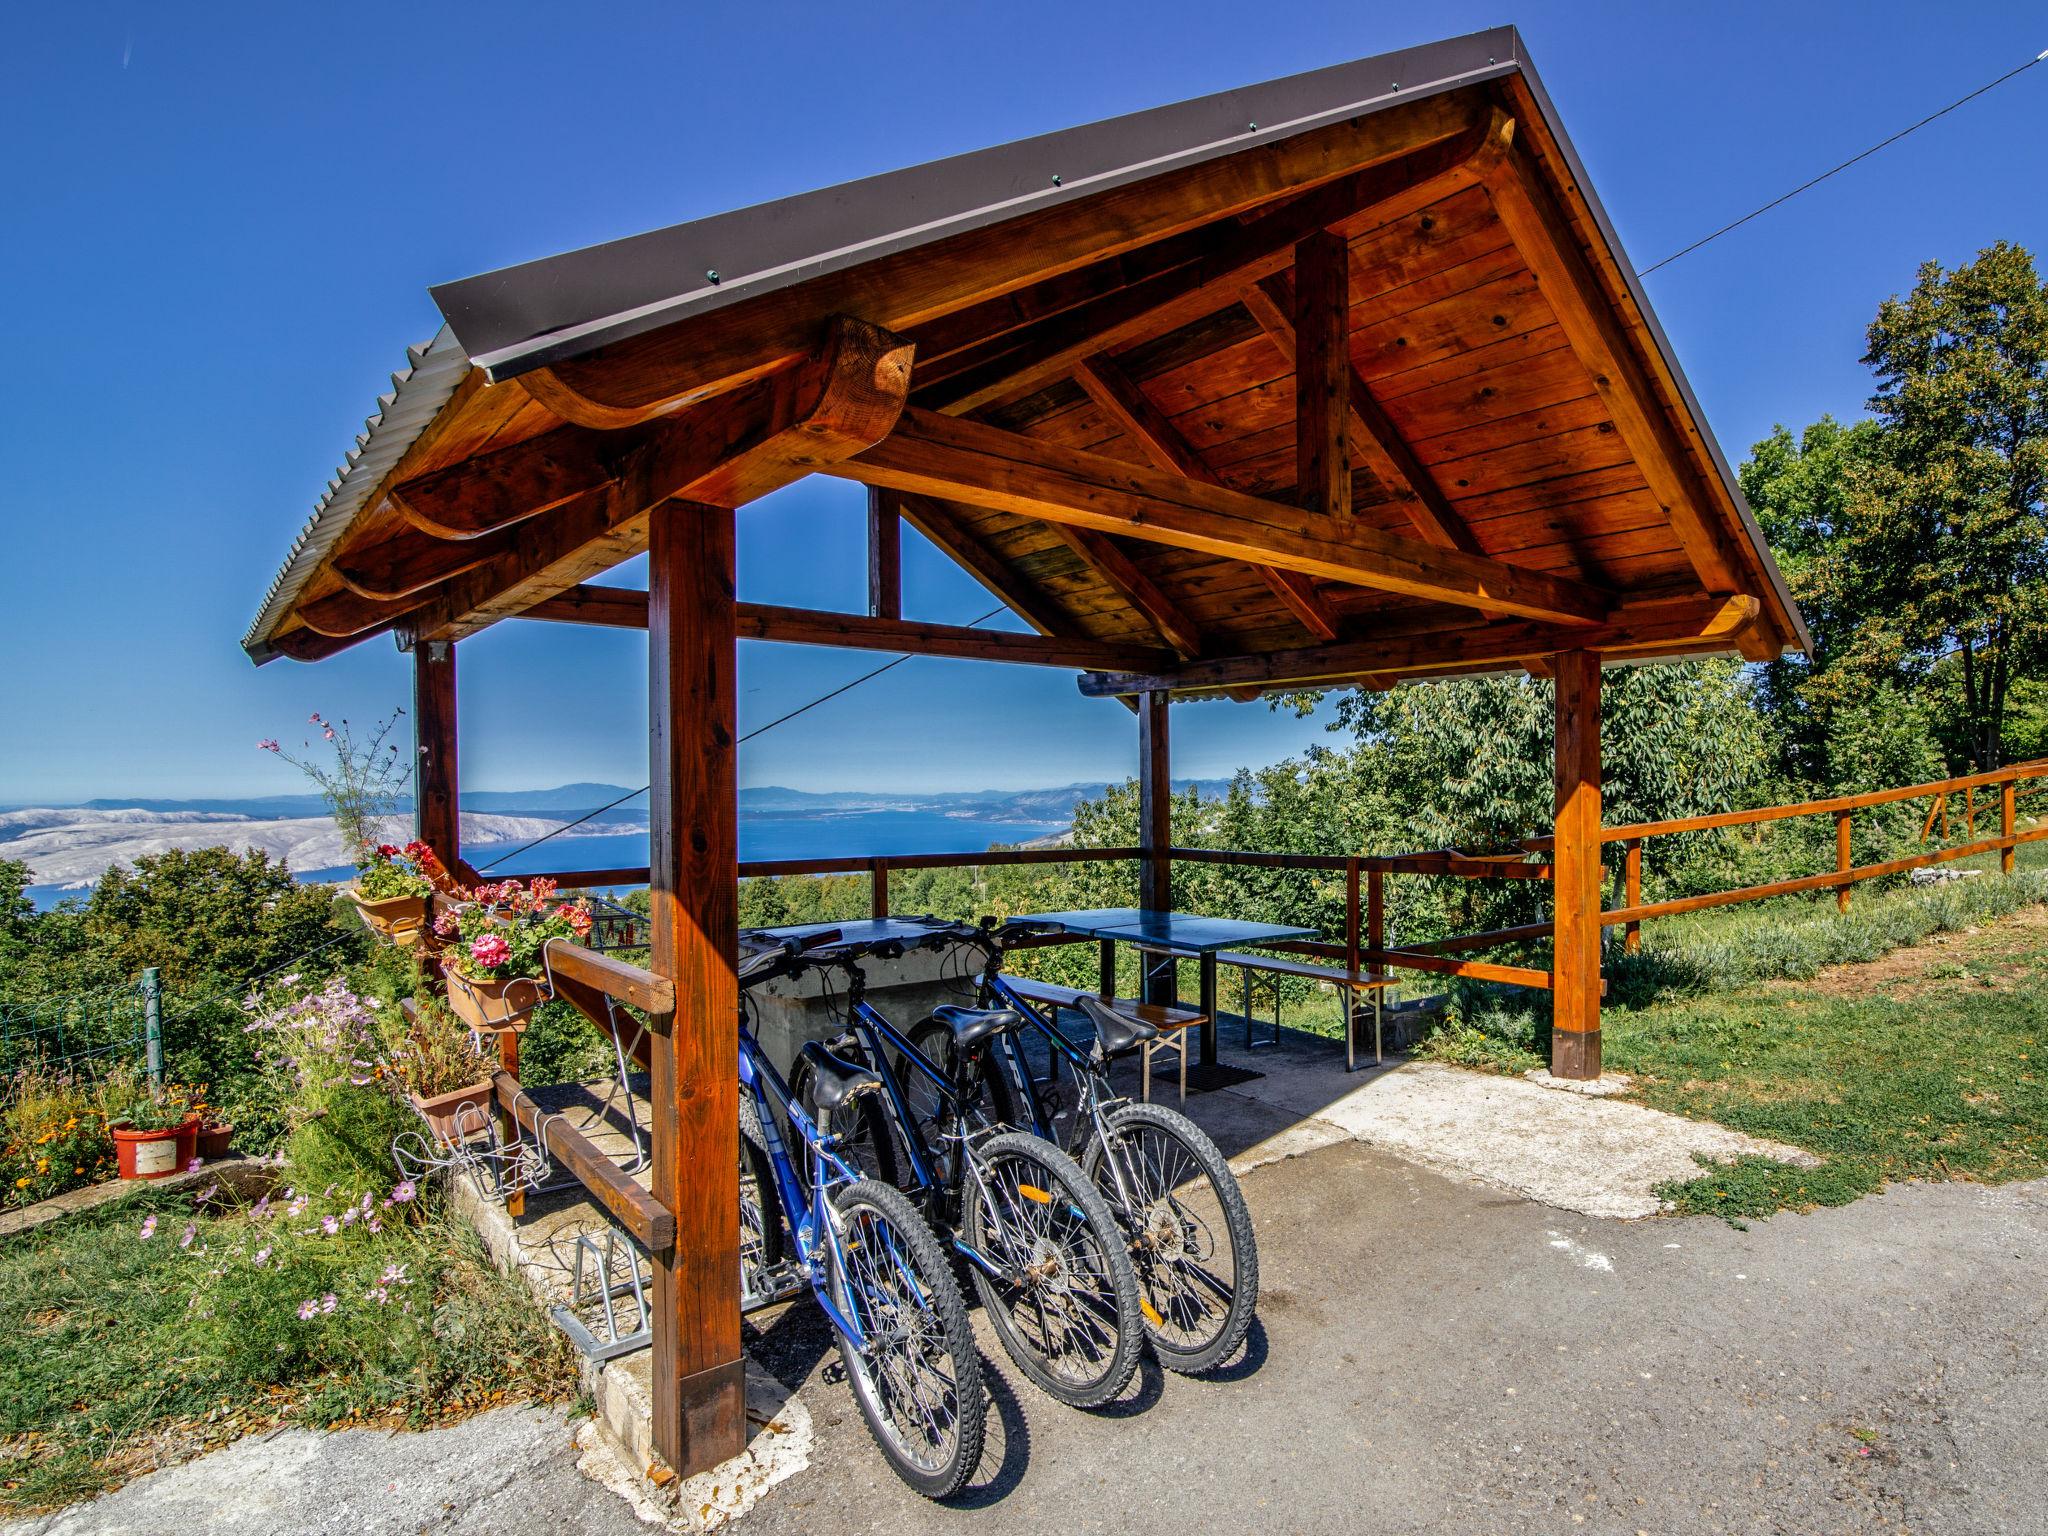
[(971, 1026), (835, 1082), (1118, 1032)]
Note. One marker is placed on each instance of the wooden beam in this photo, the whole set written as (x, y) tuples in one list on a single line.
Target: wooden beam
[(699, 1371), (437, 780), (622, 608), (939, 524), (1371, 436), (311, 645), (1546, 241), (1155, 823), (736, 448), (1322, 374), (936, 455), (1683, 625), (885, 557), (643, 1217), (1575, 859), (494, 490), (344, 613), (1236, 255), (637, 378), (409, 561), (1120, 398), (1116, 569)]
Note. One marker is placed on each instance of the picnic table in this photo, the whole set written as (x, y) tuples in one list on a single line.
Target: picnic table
[(1173, 935)]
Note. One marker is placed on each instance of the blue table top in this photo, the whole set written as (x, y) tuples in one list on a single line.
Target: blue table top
[(1187, 932), (866, 930)]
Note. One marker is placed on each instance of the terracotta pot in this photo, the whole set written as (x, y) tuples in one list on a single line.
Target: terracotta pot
[(397, 918), (214, 1141), (457, 1114), (493, 1006), (154, 1154)]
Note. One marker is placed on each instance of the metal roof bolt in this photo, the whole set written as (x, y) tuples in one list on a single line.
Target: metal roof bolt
[(712, 277), (1058, 181), (1397, 85), (1251, 127)]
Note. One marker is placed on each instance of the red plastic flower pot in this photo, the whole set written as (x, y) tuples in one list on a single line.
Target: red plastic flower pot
[(154, 1154), (214, 1141)]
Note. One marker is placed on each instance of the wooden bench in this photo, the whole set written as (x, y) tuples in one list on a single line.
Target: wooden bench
[(1173, 1024), (1274, 968)]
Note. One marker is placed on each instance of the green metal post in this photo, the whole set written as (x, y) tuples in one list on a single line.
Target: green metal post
[(153, 1023)]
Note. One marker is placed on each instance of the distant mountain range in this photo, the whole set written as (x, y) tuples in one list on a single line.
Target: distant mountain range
[(72, 846)]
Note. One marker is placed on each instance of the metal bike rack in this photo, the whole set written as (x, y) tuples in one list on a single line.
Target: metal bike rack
[(599, 1337)]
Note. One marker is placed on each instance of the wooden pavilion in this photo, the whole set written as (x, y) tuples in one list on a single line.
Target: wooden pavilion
[(1339, 380)]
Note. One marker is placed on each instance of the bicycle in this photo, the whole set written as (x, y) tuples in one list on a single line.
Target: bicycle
[(1179, 1206), (1042, 1247), (875, 1267)]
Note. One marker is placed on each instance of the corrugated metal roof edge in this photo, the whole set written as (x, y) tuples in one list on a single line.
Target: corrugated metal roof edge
[(432, 372)]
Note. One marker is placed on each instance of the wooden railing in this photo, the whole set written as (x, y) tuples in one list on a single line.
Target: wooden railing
[(1364, 941)]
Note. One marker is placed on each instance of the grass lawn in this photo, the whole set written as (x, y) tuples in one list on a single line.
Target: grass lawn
[(1926, 1064), (144, 1332)]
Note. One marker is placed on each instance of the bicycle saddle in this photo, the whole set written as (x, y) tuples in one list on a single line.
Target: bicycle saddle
[(971, 1026), (834, 1082), (1118, 1032)]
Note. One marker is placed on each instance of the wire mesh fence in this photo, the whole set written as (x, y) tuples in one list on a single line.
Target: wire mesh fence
[(86, 1032)]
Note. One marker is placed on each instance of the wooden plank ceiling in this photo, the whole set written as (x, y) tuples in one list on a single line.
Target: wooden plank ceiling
[(1421, 362)]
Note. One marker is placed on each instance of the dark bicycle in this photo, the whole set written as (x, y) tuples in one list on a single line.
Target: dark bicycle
[(875, 1267), (1046, 1255), (1167, 1183)]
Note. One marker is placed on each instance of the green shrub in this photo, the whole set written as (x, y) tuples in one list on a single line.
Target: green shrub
[(52, 1137)]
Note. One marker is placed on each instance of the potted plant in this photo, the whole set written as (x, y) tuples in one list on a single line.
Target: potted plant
[(392, 889), (213, 1135), (154, 1130), (496, 960), (446, 1071)]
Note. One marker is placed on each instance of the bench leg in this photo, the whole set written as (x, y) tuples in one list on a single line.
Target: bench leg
[(1145, 1073), (1350, 1030), (1379, 1058), (1183, 1066)]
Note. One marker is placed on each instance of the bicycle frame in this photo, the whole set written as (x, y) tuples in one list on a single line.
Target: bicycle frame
[(815, 1231)]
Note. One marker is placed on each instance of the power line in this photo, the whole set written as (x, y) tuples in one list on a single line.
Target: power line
[(1853, 159), (823, 698)]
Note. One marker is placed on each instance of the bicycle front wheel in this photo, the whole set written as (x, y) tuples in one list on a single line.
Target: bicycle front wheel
[(1066, 1305), (1189, 1232), (917, 1377)]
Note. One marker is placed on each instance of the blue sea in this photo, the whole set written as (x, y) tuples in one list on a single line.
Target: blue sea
[(856, 834)]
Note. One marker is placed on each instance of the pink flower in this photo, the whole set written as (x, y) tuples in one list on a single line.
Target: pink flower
[(268, 744), (306, 1310), (195, 1165), (148, 1228), (329, 1225), (191, 1230), (490, 951), (262, 1257), (327, 1302)]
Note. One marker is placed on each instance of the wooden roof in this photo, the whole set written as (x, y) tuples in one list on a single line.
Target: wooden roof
[(1082, 384)]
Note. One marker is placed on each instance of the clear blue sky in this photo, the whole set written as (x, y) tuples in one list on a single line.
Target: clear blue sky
[(220, 223)]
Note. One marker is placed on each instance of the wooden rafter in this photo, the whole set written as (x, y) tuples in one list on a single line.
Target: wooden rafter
[(1119, 397), (410, 561), (728, 452), (937, 455), (1669, 624), (495, 490), (638, 378), (623, 608), (1546, 241), (939, 524), (1372, 437), (1236, 256), (1116, 570)]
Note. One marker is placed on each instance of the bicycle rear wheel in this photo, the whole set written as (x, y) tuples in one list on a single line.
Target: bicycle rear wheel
[(918, 1380), (868, 1145), (1066, 1308), (1189, 1232), (761, 1242)]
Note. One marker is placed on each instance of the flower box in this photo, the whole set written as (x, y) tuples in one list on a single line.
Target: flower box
[(154, 1154), (457, 1115), (397, 918), (493, 1005)]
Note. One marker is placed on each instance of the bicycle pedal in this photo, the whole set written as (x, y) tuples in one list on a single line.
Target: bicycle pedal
[(834, 1372)]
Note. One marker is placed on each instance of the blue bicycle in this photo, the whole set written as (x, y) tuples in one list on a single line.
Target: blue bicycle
[(878, 1272)]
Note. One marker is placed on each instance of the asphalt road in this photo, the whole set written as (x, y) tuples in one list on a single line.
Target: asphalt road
[(1434, 1356)]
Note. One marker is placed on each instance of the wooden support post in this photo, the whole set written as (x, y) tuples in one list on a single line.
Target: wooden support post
[(1352, 935), (1970, 813), (1575, 961), (885, 557), (1375, 910), (1155, 826), (1632, 891), (878, 888), (699, 1374), (2007, 820), (1322, 373), (436, 786), (1843, 859)]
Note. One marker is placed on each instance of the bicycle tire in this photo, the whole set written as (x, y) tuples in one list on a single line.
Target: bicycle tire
[(1058, 1229), (1167, 1238), (934, 1038), (881, 1209), (869, 1149), (762, 1243)]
